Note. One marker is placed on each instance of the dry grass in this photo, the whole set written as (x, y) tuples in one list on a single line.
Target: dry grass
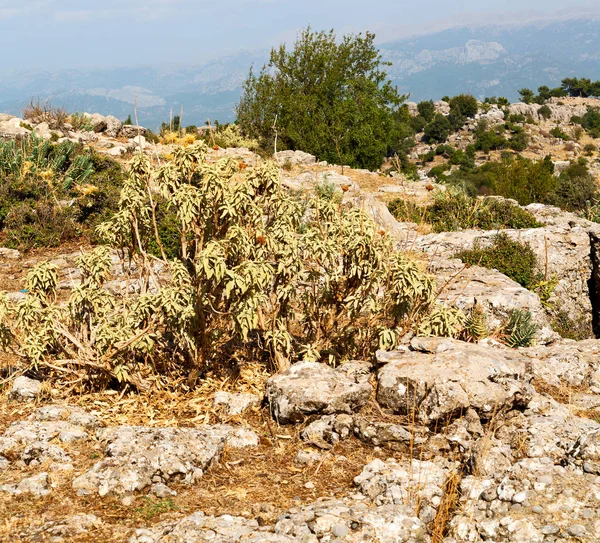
[(265, 475), (38, 111), (449, 503)]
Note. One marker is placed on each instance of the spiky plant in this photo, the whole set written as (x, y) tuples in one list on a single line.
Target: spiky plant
[(476, 325), (520, 330)]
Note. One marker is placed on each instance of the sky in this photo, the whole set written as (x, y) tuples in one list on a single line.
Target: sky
[(62, 34)]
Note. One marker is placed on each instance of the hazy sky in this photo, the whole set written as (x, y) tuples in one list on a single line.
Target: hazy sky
[(58, 34)]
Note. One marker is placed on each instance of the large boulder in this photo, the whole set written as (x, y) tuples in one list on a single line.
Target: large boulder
[(295, 158), (493, 291), (137, 456), (11, 128), (309, 388), (559, 112), (439, 379), (97, 121), (565, 249), (113, 126), (132, 131), (24, 389)]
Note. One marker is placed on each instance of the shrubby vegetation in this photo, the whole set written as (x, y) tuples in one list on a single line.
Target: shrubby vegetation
[(326, 97), (259, 275), (570, 86), (512, 258), (51, 193), (454, 210)]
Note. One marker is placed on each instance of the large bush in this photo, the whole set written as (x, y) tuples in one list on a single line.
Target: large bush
[(260, 275), (327, 97), (518, 178)]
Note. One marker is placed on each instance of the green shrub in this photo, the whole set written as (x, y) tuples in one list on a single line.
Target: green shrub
[(453, 210), (557, 132), (53, 193), (512, 258), (519, 141), (438, 130), (438, 171), (426, 110), (418, 123), (517, 178), (429, 156), (545, 112)]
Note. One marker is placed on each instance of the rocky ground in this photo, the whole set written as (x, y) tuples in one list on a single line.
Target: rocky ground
[(438, 441)]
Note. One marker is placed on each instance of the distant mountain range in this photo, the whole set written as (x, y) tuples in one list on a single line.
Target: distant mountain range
[(481, 60)]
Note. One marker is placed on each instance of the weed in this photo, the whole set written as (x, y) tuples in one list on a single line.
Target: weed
[(153, 508), (520, 330)]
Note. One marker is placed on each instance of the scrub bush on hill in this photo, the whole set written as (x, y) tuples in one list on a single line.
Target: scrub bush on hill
[(453, 210), (258, 275), (52, 193)]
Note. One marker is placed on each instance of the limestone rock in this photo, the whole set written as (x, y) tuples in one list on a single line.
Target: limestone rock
[(24, 389), (131, 131), (97, 121), (235, 404), (113, 126), (12, 128), (567, 247), (295, 158), (496, 294), (441, 378), (312, 388), (137, 456)]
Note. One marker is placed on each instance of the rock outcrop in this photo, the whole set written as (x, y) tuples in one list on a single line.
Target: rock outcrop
[(309, 388)]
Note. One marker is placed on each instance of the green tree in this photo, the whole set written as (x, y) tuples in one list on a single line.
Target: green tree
[(327, 97), (527, 96), (426, 110), (438, 130)]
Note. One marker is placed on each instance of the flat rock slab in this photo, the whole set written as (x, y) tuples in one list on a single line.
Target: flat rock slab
[(324, 520), (441, 378), (309, 388), (138, 456)]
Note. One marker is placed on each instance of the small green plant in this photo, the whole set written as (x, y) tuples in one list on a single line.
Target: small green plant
[(564, 325), (545, 112), (476, 325), (544, 288), (514, 259), (229, 135), (81, 122), (520, 330), (327, 191), (152, 508), (558, 132)]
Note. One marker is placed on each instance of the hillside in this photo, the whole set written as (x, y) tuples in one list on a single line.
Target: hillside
[(206, 342)]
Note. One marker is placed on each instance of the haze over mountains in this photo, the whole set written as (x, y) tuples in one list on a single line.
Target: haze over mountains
[(481, 60)]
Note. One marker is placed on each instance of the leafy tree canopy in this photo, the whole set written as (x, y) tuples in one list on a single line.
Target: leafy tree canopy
[(332, 99)]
